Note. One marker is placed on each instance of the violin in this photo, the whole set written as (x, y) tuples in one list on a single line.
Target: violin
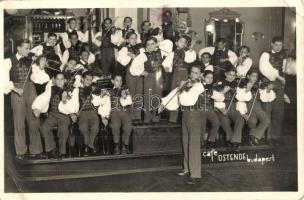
[(188, 84)]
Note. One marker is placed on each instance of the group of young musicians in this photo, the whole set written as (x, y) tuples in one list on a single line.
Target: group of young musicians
[(55, 85)]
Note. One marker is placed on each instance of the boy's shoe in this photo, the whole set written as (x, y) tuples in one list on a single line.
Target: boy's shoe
[(253, 141), (125, 149), (61, 156), (156, 119), (183, 173), (229, 144), (236, 146), (116, 149), (211, 145), (194, 181), (53, 154), (20, 156), (37, 156), (86, 151)]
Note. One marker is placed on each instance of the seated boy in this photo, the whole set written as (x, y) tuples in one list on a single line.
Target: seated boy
[(120, 115)]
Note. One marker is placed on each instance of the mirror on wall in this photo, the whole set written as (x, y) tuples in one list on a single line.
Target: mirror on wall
[(224, 23)]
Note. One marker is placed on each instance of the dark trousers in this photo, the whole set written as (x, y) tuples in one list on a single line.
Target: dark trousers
[(88, 123), (191, 134), (108, 61), (212, 117), (235, 134), (62, 122), (135, 85), (153, 89), (258, 121), (22, 111), (275, 111), (121, 119), (178, 75)]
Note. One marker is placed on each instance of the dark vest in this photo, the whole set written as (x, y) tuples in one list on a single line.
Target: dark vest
[(179, 59), (74, 51), (154, 61), (70, 78), (70, 33), (217, 55), (143, 37), (206, 96), (106, 39), (276, 60), (126, 31), (134, 49), (19, 69), (56, 94), (115, 95), (49, 52), (85, 101), (168, 32), (229, 95)]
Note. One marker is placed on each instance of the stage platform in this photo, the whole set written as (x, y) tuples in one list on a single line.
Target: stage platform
[(155, 147)]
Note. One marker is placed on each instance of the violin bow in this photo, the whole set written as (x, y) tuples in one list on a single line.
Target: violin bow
[(85, 102), (28, 73), (254, 100), (179, 90), (234, 95)]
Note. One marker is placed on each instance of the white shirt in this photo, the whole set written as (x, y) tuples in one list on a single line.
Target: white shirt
[(243, 68), (267, 69), (8, 84), (208, 66), (38, 50), (83, 37)]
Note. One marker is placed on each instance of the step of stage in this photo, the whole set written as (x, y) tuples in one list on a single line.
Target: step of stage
[(155, 147), (38, 170)]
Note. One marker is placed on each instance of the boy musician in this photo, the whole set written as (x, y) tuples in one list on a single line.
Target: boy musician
[(221, 55), (257, 119), (120, 117), (229, 113), (178, 63), (187, 96), (39, 75), (17, 81), (84, 61), (74, 50), (272, 66), (135, 83), (72, 29), (88, 120), (127, 28), (59, 115), (205, 60), (207, 109), (145, 31), (52, 51), (149, 65), (108, 40), (244, 62)]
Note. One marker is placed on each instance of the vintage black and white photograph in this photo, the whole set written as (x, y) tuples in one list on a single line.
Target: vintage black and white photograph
[(150, 99)]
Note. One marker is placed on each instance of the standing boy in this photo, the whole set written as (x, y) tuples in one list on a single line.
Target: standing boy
[(188, 94), (178, 62), (272, 65), (17, 81)]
